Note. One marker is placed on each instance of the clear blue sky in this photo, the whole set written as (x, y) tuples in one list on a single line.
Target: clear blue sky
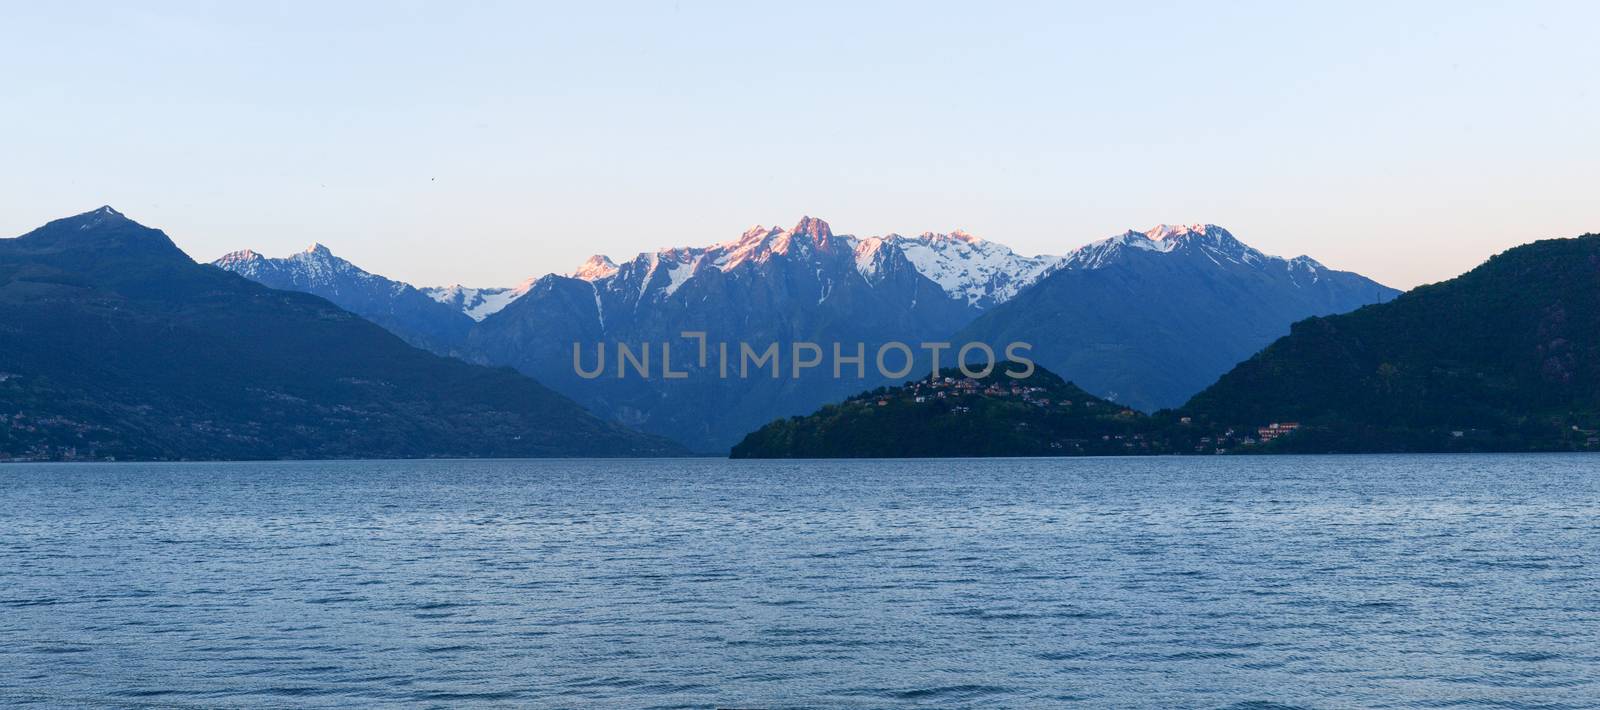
[(484, 142)]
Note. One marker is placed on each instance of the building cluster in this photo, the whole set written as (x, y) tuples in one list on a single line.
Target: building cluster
[(1223, 442), (1275, 430), (57, 426), (934, 388)]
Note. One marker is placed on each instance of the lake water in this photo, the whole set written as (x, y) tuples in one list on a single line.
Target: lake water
[(1405, 581)]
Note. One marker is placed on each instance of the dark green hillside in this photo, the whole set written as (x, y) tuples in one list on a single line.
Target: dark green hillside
[(113, 343), (1151, 322), (1505, 357), (953, 415)]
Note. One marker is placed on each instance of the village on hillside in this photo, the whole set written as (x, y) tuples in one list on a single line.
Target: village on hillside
[(958, 395)]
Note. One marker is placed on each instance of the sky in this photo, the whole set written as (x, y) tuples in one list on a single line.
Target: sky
[(483, 143)]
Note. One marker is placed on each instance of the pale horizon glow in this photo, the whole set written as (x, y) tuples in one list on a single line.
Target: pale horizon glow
[(438, 143)]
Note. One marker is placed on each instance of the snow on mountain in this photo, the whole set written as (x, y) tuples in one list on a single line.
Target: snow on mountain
[(1305, 267), (477, 303), (982, 272), (767, 285), (979, 272), (400, 307), (1220, 302), (1208, 240), (870, 256), (311, 270), (754, 245), (244, 262), (597, 267)]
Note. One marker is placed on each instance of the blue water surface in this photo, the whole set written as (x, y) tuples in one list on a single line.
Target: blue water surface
[(1383, 581)]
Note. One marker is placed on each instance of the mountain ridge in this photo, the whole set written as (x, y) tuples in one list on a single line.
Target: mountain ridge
[(1150, 318), (1503, 357), (807, 283), (418, 317), (769, 286), (118, 345)]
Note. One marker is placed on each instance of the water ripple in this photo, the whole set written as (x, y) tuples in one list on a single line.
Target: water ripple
[(1253, 584)]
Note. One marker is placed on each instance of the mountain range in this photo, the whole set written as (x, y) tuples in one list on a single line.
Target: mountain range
[(476, 303), (1150, 318), (1144, 318), (115, 344), (422, 318), (769, 286), (1503, 358)]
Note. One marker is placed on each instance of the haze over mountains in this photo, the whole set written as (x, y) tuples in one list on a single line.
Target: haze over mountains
[(114, 343), (1144, 318)]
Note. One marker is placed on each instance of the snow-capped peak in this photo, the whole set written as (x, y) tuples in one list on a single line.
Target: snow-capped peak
[(1306, 262), (595, 268), (759, 243), (315, 266), (1208, 240), (1162, 232), (982, 273), (870, 254), (955, 235), (478, 303), (240, 256), (97, 217), (814, 228), (1305, 266), (244, 262), (756, 244), (1197, 234)]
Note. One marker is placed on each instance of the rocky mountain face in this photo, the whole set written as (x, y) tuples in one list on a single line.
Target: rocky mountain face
[(983, 273), (771, 286), (114, 343), (476, 303), (1150, 318), (422, 318), (1504, 358), (1145, 318)]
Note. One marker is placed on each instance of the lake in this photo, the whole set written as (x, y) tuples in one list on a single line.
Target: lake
[(1251, 582)]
